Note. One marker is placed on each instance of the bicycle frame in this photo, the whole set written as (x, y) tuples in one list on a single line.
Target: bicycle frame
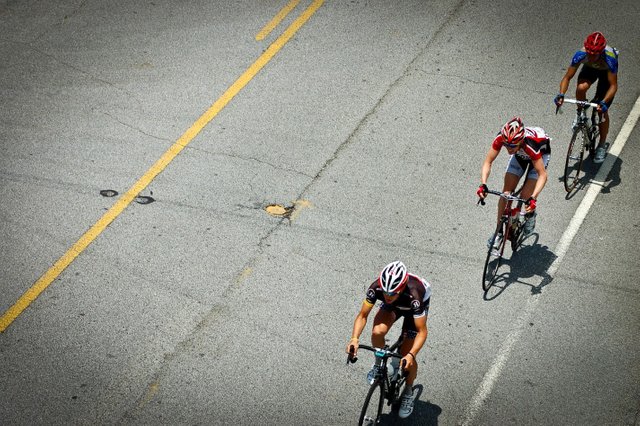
[(390, 387), (584, 136), (511, 225), (511, 216)]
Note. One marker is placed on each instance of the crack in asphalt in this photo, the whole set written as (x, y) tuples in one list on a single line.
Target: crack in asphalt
[(482, 83), (214, 313), (607, 286), (137, 129), (49, 183), (257, 160), (81, 71), (74, 12)]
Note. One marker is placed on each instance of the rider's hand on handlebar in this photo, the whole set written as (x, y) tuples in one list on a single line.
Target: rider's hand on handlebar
[(531, 205), (559, 99), (482, 191), (407, 361), (352, 347), (602, 106)]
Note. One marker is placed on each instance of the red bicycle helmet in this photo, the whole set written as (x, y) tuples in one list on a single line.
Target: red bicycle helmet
[(595, 43), (513, 131)]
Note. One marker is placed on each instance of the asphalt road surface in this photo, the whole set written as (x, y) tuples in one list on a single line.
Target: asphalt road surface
[(148, 147)]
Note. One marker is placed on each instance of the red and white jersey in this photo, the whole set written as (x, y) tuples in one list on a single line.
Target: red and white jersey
[(536, 144)]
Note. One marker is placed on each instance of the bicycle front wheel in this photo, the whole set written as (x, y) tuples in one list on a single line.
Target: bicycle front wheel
[(517, 237), (397, 393), (575, 155), (373, 403), (494, 257)]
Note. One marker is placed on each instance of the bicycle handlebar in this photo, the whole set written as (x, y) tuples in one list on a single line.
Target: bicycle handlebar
[(386, 353), (581, 103), (507, 197)]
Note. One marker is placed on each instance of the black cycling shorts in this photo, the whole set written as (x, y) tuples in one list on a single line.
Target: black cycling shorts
[(408, 325), (591, 75)]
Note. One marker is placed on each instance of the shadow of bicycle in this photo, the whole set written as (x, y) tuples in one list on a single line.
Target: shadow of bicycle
[(530, 260), (589, 171), (424, 413)]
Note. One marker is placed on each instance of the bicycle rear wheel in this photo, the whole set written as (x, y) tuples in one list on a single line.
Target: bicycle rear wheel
[(494, 257), (373, 403), (575, 155)]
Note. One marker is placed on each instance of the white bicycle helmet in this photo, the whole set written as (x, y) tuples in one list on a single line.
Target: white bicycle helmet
[(393, 277)]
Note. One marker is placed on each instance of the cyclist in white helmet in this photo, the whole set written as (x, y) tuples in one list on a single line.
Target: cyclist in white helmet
[(403, 295)]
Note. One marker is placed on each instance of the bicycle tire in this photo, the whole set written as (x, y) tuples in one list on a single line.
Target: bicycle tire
[(518, 237), (575, 156), (397, 396), (594, 133), (594, 136), (370, 414), (494, 256)]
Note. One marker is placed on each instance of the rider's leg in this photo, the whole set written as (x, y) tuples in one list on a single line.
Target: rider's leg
[(407, 344), (382, 322), (582, 87), (604, 128), (510, 182), (528, 187), (601, 91)]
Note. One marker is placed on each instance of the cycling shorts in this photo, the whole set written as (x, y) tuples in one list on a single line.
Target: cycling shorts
[(409, 330), (517, 166), (591, 75)]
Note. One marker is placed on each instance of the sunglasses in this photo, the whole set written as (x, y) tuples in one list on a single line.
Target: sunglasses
[(390, 294), (511, 145)]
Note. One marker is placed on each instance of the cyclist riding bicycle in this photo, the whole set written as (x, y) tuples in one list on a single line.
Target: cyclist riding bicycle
[(406, 296), (530, 149), (599, 62)]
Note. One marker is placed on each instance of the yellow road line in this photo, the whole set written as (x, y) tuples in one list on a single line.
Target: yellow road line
[(118, 207), (276, 20)]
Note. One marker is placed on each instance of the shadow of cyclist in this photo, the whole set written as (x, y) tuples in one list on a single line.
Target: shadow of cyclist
[(424, 412), (613, 179), (590, 169), (530, 260)]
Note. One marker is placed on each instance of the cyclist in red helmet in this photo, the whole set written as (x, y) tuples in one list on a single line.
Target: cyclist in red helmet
[(599, 62), (530, 149)]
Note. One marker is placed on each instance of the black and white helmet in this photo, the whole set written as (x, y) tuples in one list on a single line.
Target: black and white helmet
[(393, 277)]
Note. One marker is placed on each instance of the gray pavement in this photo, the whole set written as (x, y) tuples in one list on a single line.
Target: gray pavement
[(201, 308)]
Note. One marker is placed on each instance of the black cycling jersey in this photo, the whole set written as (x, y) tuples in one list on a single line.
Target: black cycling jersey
[(414, 298)]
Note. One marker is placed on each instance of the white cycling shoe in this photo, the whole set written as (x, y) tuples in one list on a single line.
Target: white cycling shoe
[(601, 153), (406, 405)]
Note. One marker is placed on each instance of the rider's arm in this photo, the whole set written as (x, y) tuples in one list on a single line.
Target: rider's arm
[(564, 83), (360, 322), (613, 87), (486, 166), (418, 342), (538, 164)]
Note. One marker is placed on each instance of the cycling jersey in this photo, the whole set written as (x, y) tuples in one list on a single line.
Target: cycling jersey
[(536, 144), (607, 61), (414, 298)]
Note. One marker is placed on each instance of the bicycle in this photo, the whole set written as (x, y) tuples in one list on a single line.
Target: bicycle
[(584, 138), (511, 226), (384, 387)]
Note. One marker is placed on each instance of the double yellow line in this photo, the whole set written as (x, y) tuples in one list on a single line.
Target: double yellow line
[(87, 238)]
